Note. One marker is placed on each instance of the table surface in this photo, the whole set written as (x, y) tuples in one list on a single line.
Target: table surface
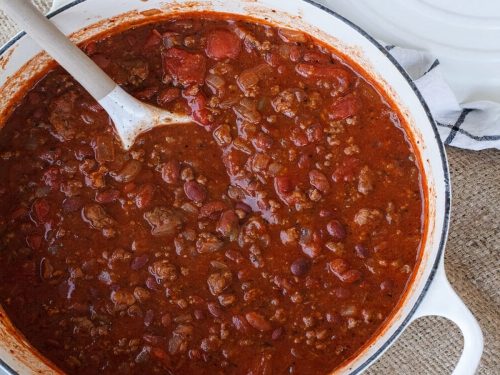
[(433, 345)]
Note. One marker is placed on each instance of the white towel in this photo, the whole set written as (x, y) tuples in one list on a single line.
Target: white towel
[(473, 126)]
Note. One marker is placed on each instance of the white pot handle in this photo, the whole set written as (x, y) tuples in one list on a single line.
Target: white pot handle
[(57, 4), (442, 300)]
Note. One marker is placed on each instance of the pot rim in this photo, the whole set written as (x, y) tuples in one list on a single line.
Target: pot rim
[(444, 163)]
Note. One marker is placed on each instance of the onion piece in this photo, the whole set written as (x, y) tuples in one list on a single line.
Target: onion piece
[(246, 110), (216, 83), (292, 36), (249, 78)]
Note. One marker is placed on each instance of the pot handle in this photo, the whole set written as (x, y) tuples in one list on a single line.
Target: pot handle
[(442, 300), (57, 4)]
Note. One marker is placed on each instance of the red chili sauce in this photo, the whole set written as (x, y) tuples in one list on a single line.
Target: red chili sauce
[(273, 235)]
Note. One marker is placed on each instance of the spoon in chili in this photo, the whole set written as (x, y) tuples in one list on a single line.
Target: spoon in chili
[(131, 117)]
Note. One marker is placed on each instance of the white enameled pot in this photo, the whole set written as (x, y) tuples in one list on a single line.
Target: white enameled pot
[(429, 293)]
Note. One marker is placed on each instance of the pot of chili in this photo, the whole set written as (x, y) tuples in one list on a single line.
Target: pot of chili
[(297, 226)]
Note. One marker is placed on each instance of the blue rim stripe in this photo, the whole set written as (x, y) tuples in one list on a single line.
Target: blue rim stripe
[(442, 153), (19, 35)]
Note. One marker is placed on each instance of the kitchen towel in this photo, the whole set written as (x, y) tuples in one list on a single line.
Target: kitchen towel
[(473, 126)]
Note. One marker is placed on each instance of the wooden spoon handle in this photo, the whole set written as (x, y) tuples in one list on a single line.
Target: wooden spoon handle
[(69, 56)]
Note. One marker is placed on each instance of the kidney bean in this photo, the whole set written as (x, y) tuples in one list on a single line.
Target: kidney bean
[(171, 171), (361, 251), (295, 53), (319, 181), (129, 172), (151, 283), (300, 266), (199, 314), (139, 262), (283, 185), (195, 191), (228, 224), (223, 44), (336, 230), (214, 309), (144, 196), (304, 161), (316, 57), (129, 188), (241, 324), (277, 333), (258, 321)]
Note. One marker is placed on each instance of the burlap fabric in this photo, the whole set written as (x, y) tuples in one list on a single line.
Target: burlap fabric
[(433, 345)]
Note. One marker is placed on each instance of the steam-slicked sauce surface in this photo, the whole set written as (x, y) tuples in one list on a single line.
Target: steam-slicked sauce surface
[(273, 235)]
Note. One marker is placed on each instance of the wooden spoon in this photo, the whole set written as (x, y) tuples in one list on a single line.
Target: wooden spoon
[(130, 116)]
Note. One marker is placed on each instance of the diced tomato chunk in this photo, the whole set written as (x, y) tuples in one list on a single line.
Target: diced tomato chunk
[(200, 113), (223, 44), (185, 67), (343, 108), (40, 211), (144, 196), (283, 185)]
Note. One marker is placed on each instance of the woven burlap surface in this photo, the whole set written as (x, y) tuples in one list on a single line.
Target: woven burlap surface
[(433, 345)]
